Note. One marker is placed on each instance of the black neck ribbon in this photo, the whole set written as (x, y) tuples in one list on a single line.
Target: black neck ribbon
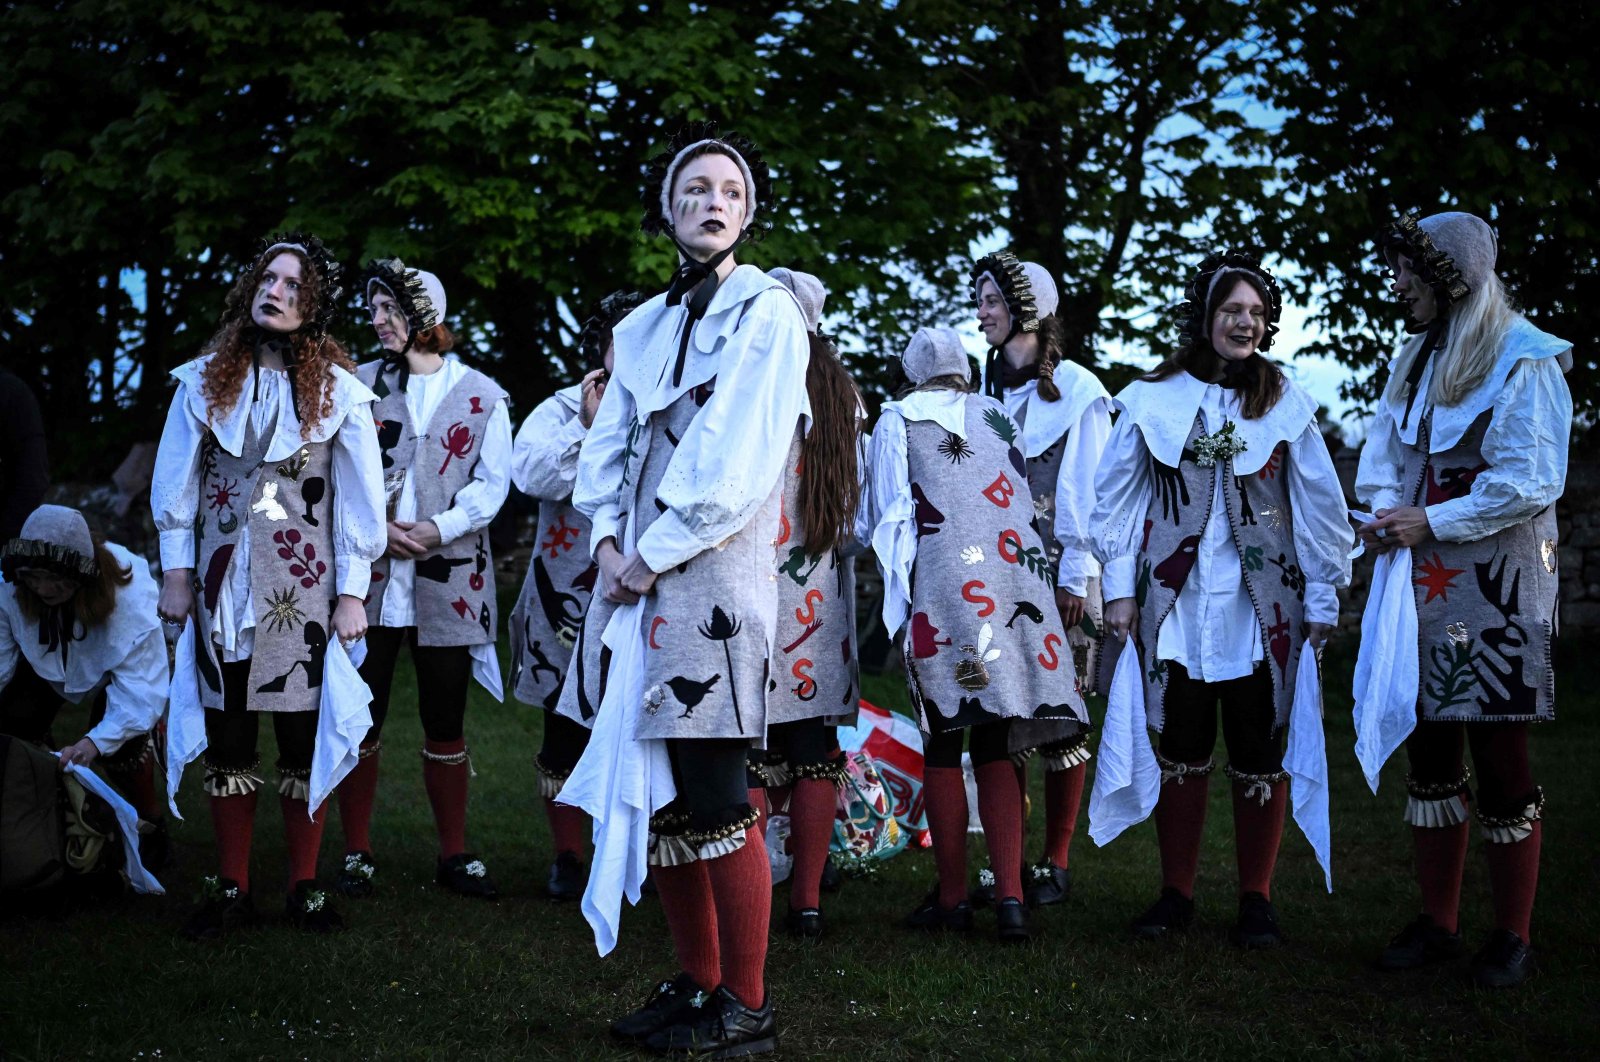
[(1430, 343), (699, 282), (284, 345)]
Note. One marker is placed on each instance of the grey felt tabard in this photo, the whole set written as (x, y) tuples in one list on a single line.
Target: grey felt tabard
[(980, 566), (1261, 522), (1486, 610), (454, 584), (288, 507), (814, 673)]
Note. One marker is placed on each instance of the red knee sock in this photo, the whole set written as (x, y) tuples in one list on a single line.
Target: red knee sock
[(1514, 878), (1441, 858), (446, 784), (568, 826), (741, 888), (233, 821), (1257, 833), (1063, 796), (811, 811), (357, 793), (1000, 809), (304, 837), (140, 786), (1180, 823), (685, 892), (944, 795)]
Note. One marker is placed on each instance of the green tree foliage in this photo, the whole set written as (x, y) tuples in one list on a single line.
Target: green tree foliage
[(1414, 105), (502, 144)]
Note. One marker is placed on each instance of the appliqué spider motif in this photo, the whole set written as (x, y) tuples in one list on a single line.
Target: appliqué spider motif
[(222, 494), (283, 610), (955, 448)]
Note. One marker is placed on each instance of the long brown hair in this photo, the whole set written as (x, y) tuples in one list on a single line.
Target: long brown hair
[(830, 487), (223, 379), (96, 597), (1258, 380)]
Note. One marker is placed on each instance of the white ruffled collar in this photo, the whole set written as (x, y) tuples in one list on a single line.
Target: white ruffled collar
[(1164, 413), (1525, 342), (948, 409), (231, 427), (647, 340), (1044, 423)]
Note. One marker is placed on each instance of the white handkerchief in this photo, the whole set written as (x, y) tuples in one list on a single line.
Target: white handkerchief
[(186, 719), (1385, 685), (1127, 779), (343, 722), (620, 781), (1306, 760), (128, 822)]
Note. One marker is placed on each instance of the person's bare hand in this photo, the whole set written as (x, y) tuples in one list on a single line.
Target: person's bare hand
[(83, 753), (610, 560), (1318, 634), (1071, 607), (635, 574), (1122, 615), (593, 389), (177, 595), (425, 533), (402, 546), (350, 619), (1405, 526)]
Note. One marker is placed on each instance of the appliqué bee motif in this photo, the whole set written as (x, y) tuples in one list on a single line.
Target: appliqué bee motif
[(973, 674)]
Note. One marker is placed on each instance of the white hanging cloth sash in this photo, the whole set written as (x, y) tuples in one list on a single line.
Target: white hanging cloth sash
[(1127, 779), (1386, 666), (1306, 760)]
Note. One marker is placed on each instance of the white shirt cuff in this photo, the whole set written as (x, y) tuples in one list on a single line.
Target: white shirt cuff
[(105, 739), (1451, 521), (1322, 603), (177, 549), (354, 575), (452, 524), (1118, 580), (603, 525)]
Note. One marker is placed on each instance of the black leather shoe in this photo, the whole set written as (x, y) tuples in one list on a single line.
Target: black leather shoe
[(1172, 912), (982, 894), (355, 880), (720, 1027), (310, 908), (465, 874), (666, 1002), (930, 916), (1047, 884), (1504, 962), (1258, 923), (1011, 920), (224, 907), (804, 923), (567, 878), (1421, 943)]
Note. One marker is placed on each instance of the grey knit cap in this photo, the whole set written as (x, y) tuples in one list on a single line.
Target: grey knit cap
[(808, 292), (1467, 239), (54, 538), (935, 352)]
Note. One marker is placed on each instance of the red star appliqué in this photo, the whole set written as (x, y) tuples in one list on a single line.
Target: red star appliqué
[(1437, 578)]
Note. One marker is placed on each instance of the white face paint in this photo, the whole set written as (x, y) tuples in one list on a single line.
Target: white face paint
[(708, 204), (1240, 323), (388, 321), (1416, 293), (277, 305), (994, 317)]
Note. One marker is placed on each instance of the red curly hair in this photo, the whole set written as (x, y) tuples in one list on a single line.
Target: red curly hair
[(222, 380)]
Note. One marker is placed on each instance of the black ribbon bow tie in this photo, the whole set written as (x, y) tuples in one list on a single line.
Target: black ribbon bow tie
[(284, 345), (700, 278)]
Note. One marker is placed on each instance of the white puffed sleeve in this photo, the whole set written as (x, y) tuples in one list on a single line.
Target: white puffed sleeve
[(1382, 465), (175, 482), (136, 695), (597, 489), (889, 526), (360, 531), (544, 463), (1322, 533), (1525, 448), (480, 500), (1074, 502), (1122, 493), (732, 454)]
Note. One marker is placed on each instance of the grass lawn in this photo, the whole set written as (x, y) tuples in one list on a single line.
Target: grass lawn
[(424, 974)]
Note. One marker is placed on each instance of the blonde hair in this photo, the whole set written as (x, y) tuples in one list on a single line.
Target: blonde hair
[(1473, 335)]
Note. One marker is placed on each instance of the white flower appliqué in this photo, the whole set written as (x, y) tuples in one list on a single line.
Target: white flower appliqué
[(1220, 445)]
